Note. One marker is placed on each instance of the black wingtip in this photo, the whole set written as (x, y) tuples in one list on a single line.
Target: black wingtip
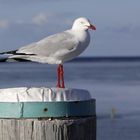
[(14, 52), (3, 59), (9, 52), (13, 60)]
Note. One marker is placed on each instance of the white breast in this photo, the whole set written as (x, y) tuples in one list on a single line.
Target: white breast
[(83, 39)]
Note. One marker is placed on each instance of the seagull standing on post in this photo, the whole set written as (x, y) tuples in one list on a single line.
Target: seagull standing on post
[(57, 48)]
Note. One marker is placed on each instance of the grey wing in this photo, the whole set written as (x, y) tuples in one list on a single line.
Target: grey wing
[(57, 44)]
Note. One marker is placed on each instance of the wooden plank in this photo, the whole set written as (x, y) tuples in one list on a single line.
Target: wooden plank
[(46, 129)]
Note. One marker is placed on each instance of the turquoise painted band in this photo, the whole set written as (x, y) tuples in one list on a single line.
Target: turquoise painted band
[(47, 109)]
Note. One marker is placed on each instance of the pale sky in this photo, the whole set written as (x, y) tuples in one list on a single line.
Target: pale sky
[(117, 23)]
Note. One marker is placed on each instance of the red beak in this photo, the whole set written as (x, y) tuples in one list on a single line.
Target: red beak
[(92, 27)]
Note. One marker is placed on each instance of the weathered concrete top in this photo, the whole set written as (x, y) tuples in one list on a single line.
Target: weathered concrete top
[(42, 94)]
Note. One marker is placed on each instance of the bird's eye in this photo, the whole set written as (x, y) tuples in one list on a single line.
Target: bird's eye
[(82, 22)]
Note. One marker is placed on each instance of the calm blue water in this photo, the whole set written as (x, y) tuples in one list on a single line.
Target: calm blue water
[(115, 85)]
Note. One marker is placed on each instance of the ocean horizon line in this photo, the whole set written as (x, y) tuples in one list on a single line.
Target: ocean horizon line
[(96, 59), (106, 58)]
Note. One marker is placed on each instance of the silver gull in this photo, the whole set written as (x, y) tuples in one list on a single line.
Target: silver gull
[(57, 48)]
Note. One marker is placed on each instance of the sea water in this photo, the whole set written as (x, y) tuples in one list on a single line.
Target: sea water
[(114, 84)]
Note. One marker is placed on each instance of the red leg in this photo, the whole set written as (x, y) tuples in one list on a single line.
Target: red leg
[(58, 76), (62, 76)]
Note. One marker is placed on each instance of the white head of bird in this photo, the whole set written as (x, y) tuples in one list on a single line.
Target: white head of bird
[(82, 24)]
